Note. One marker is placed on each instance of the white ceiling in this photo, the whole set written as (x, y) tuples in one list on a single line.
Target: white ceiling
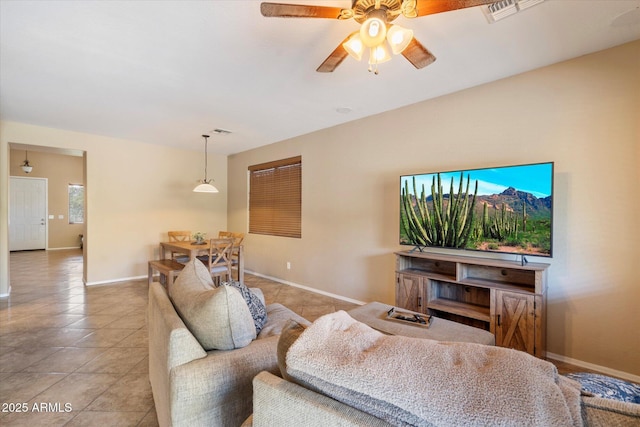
[(165, 72)]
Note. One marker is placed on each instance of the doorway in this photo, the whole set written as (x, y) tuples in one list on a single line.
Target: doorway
[(62, 169), (27, 213)]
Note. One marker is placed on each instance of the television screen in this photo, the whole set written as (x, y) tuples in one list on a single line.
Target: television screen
[(503, 209)]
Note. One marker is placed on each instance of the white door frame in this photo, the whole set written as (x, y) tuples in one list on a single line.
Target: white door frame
[(46, 208)]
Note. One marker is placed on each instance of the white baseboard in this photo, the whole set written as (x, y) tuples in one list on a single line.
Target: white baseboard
[(63, 249), (306, 288), (114, 281), (7, 294), (593, 367)]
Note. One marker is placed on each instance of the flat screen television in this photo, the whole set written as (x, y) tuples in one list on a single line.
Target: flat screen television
[(505, 209)]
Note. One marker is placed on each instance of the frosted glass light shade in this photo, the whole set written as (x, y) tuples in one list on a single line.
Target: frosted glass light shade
[(205, 188), (399, 38), (379, 54), (373, 31), (354, 46)]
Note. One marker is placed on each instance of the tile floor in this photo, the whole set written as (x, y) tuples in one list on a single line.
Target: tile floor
[(72, 355), (77, 356)]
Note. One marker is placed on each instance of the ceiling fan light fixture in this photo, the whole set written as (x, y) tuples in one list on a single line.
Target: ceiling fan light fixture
[(354, 46), (379, 54), (399, 38), (373, 32)]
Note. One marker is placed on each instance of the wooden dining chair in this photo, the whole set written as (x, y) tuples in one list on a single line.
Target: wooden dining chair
[(179, 236), (237, 241), (219, 259)]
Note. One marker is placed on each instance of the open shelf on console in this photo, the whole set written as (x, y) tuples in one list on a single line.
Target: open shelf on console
[(455, 298), (487, 293), (461, 309)]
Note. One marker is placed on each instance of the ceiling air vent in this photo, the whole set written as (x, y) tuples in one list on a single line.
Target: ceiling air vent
[(221, 131), (504, 8)]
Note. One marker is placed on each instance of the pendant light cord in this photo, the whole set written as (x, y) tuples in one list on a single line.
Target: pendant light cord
[(206, 142)]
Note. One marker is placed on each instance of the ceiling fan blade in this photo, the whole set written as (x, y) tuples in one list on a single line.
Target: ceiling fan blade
[(298, 11), (417, 54), (429, 7), (335, 59)]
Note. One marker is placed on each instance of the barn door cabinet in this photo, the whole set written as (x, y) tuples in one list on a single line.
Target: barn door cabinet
[(503, 297)]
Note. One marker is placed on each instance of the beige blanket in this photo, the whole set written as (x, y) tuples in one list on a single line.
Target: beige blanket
[(411, 381)]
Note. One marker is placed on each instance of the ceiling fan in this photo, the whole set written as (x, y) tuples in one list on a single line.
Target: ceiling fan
[(376, 32)]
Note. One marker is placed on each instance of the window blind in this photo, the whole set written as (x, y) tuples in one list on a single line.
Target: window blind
[(275, 198)]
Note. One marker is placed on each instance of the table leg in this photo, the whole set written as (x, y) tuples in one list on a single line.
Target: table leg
[(241, 264)]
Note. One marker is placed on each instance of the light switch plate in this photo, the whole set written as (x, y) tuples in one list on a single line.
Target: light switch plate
[(51, 216)]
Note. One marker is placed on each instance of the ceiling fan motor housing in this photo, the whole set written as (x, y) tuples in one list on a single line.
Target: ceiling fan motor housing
[(364, 9)]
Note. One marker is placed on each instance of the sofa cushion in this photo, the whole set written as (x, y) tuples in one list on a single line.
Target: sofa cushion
[(412, 381), (290, 333), (219, 317), (278, 317), (255, 304)]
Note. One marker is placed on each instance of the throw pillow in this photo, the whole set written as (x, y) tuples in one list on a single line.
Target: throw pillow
[(218, 318), (607, 387), (258, 292), (256, 307)]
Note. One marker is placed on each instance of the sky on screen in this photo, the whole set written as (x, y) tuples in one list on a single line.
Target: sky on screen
[(535, 179)]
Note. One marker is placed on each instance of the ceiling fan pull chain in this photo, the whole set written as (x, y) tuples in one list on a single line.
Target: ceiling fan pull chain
[(373, 61)]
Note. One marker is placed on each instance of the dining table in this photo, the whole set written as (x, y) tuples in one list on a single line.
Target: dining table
[(194, 249)]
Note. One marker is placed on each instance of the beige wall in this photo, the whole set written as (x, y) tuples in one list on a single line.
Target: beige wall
[(135, 193), (60, 171), (582, 114)]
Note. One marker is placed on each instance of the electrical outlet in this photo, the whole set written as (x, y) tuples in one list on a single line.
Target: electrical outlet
[(288, 265)]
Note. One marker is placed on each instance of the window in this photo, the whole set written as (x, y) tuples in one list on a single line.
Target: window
[(76, 204), (275, 198)]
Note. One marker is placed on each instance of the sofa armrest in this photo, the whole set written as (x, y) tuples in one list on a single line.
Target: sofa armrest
[(277, 402), (213, 391), (168, 335), (170, 344)]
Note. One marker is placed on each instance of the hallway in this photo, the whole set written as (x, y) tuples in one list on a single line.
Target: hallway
[(72, 355)]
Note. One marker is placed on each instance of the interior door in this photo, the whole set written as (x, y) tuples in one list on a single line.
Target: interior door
[(27, 213)]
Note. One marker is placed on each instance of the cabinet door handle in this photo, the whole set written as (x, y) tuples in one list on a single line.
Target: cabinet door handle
[(419, 301), (499, 320)]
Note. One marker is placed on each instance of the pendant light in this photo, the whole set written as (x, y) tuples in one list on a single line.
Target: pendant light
[(205, 185), (26, 167)]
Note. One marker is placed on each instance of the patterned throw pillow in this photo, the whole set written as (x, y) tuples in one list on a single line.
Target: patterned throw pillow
[(610, 388), (256, 307)]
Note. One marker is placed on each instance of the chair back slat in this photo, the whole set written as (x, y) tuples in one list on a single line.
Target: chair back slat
[(219, 259), (237, 237), (179, 236)]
